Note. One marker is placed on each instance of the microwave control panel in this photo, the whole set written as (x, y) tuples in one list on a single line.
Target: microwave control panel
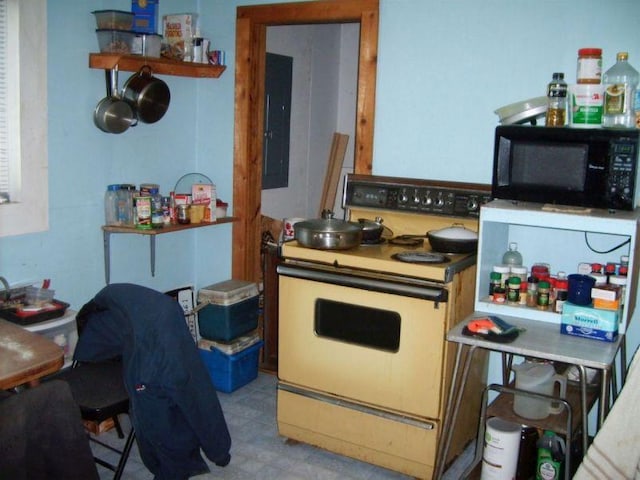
[(621, 182)]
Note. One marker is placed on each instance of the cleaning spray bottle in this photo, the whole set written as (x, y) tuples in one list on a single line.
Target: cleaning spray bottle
[(551, 453)]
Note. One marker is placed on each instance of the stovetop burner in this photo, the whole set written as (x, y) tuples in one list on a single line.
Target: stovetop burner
[(378, 241), (420, 257), (407, 240)]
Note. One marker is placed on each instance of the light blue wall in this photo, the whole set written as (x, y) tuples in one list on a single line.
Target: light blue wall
[(443, 68)]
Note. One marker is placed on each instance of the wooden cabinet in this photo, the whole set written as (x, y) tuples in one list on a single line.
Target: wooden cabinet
[(164, 66), (271, 259)]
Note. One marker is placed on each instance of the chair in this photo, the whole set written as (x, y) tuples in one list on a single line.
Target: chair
[(98, 389)]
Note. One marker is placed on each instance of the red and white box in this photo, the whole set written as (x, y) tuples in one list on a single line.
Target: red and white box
[(205, 194)]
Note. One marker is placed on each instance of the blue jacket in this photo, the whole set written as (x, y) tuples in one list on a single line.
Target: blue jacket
[(174, 406)]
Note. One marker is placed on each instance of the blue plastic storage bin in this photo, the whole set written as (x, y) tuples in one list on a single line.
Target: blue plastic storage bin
[(230, 372)]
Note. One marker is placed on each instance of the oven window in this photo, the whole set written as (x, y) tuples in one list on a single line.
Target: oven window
[(357, 324)]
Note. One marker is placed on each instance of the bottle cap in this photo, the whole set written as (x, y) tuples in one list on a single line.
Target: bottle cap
[(558, 76), (590, 51), (622, 56)]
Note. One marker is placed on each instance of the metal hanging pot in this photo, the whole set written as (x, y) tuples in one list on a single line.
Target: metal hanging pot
[(149, 95), (112, 114)]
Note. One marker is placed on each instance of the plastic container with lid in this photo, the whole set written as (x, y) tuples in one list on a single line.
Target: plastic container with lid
[(589, 66), (111, 205), (504, 271)]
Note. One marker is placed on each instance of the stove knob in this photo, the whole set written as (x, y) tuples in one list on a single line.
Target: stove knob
[(439, 200), (427, 200), (416, 198), (472, 204), (404, 198)]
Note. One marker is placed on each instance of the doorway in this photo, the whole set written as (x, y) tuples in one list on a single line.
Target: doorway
[(251, 25)]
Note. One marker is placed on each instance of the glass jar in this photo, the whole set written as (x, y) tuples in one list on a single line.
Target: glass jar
[(183, 213), (495, 281), (542, 301), (532, 291), (513, 290)]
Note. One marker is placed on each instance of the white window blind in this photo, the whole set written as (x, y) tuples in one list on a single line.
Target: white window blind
[(23, 117), (4, 127), (9, 101)]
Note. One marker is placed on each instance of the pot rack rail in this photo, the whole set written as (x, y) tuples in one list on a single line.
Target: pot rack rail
[(133, 63), (107, 230)]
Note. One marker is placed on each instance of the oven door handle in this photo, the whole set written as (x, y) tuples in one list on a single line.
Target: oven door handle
[(424, 292)]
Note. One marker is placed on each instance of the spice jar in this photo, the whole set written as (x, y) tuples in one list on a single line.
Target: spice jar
[(499, 295), (589, 65), (532, 291), (183, 213), (503, 270), (543, 295), (495, 281), (513, 290)]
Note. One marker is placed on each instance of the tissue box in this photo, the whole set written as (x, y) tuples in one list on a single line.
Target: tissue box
[(589, 322)]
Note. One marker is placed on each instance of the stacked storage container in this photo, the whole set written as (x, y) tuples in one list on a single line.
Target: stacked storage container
[(230, 344)]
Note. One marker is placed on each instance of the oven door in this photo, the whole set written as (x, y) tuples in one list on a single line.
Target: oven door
[(368, 340)]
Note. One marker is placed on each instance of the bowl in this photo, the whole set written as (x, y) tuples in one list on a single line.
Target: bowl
[(113, 19)]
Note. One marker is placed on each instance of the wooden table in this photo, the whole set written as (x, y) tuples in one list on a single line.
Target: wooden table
[(25, 357)]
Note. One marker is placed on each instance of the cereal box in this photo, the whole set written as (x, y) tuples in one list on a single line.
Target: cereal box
[(178, 31)]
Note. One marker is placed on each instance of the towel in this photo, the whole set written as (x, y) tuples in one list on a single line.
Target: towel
[(615, 451)]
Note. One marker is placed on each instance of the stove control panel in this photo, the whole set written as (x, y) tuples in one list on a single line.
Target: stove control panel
[(415, 195)]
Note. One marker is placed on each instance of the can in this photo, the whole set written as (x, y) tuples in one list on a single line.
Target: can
[(143, 212)]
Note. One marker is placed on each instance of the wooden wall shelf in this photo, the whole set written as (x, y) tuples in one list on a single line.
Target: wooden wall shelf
[(108, 230), (161, 66)]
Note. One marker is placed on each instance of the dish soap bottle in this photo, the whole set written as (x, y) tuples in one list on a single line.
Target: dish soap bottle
[(556, 101), (512, 257), (620, 83)]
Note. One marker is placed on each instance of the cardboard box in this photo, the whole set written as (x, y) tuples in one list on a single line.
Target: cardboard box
[(178, 31), (205, 194), (145, 13), (589, 322)]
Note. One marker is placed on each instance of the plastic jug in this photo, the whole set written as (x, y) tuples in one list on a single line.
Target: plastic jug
[(538, 378)]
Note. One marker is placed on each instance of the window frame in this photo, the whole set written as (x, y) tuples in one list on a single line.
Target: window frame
[(28, 211)]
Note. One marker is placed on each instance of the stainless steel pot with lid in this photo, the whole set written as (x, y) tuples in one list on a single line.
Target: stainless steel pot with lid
[(328, 233)]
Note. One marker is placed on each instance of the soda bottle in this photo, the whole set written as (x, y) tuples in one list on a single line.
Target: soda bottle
[(620, 83)]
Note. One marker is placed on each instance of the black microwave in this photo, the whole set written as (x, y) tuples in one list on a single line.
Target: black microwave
[(591, 167)]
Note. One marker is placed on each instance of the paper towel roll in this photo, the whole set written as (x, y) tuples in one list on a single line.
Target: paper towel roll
[(501, 448)]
